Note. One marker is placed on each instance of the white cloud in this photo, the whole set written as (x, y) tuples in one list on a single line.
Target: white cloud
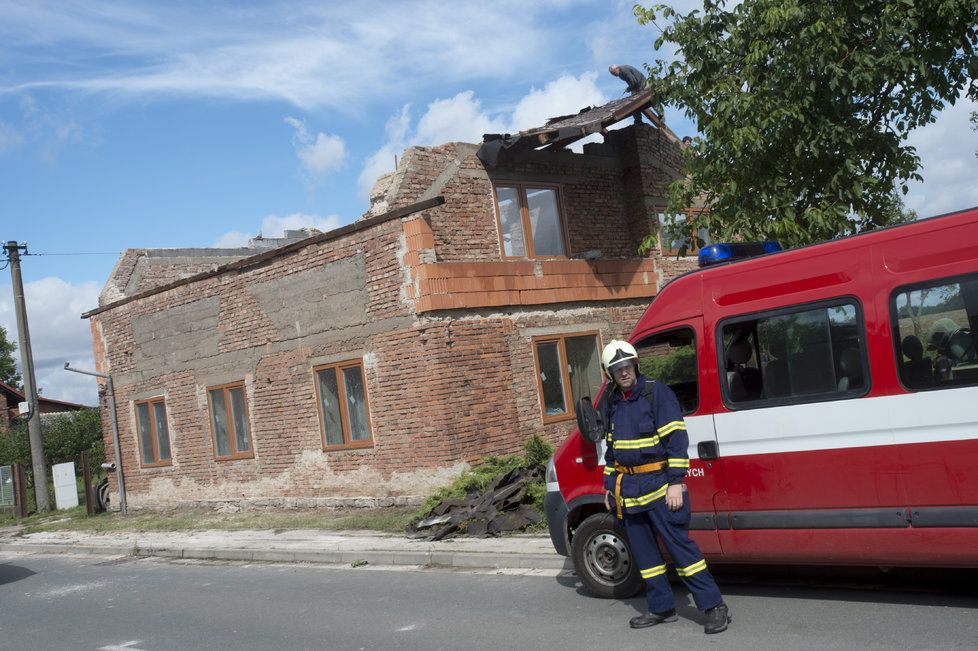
[(320, 155), (382, 160), (275, 226), (566, 94), (58, 334), (460, 118), (309, 54), (231, 240), (463, 118), (947, 154)]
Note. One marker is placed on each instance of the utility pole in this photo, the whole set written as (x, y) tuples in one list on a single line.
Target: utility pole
[(41, 497)]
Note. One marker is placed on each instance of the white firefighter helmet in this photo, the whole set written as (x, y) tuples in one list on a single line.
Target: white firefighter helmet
[(615, 354)]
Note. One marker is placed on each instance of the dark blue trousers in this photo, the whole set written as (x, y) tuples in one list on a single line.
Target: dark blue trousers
[(645, 529)]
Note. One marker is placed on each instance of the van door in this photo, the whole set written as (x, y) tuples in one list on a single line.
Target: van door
[(808, 458), (935, 328), (673, 355)]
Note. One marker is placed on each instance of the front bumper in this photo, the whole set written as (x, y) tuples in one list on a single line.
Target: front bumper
[(556, 509)]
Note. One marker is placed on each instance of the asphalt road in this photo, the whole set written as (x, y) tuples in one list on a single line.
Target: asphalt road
[(61, 602)]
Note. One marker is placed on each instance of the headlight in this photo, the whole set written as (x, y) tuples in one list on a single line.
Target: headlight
[(552, 485)]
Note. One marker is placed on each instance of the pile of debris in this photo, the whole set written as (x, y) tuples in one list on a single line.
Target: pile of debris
[(505, 505)]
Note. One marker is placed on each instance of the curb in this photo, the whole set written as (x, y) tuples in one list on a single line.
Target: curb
[(453, 559)]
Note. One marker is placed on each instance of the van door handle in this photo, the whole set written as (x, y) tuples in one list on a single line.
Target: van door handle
[(707, 450)]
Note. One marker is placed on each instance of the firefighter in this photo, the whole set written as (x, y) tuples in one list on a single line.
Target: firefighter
[(646, 461)]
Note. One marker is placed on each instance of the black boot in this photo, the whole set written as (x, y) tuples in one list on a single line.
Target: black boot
[(651, 619), (717, 619)]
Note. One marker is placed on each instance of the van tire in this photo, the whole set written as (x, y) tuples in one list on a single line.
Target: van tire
[(603, 558)]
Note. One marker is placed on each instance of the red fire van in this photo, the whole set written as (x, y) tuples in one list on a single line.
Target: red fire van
[(831, 398)]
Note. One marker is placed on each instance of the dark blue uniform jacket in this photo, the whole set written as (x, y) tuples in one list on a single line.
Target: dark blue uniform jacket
[(640, 432)]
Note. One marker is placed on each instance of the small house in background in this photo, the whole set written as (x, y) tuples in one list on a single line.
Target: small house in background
[(10, 399), (464, 312)]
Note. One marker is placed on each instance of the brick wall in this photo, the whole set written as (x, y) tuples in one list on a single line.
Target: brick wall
[(446, 384)]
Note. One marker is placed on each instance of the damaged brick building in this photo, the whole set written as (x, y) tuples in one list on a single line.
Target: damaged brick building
[(464, 312)]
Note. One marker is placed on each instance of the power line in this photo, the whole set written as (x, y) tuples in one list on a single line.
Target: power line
[(85, 253)]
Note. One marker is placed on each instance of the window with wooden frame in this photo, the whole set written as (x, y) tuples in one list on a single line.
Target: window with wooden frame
[(229, 421), (568, 367), (343, 410), (154, 435), (533, 209), (674, 235)]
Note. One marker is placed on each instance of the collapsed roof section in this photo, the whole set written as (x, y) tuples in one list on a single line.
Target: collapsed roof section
[(563, 130)]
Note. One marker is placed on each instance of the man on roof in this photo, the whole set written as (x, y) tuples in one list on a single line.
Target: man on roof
[(629, 75)]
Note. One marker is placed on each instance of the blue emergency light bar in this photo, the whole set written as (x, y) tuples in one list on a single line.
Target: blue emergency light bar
[(727, 252)]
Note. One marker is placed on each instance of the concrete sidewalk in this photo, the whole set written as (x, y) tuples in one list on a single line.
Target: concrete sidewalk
[(512, 553)]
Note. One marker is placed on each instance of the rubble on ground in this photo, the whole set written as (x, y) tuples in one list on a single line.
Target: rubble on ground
[(502, 507)]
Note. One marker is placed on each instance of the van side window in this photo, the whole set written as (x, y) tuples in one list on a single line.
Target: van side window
[(801, 354), (670, 357), (935, 329)]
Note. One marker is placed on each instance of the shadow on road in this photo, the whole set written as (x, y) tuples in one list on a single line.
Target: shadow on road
[(911, 586), (11, 573)]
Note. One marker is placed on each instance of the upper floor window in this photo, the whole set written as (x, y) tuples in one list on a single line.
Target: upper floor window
[(154, 436), (679, 232), (798, 354), (343, 409), (229, 421), (935, 327), (534, 210), (568, 368), (670, 357)]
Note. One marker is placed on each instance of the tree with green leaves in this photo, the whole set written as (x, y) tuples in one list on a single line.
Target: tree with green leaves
[(8, 367), (804, 107)]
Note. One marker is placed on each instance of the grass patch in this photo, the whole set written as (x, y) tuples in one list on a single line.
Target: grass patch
[(381, 519)]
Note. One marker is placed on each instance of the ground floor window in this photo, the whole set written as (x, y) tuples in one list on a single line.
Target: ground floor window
[(154, 436), (229, 421), (343, 409), (568, 368)]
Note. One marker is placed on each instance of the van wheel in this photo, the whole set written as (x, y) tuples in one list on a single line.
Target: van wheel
[(603, 558)]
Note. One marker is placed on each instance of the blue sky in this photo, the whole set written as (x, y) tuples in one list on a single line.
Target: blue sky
[(179, 124)]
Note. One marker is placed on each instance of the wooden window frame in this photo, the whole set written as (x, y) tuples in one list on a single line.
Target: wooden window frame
[(338, 368), (560, 339), (155, 438), (521, 187), (235, 454), (691, 214)]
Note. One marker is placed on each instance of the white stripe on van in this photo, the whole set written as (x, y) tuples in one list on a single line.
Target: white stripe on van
[(932, 416)]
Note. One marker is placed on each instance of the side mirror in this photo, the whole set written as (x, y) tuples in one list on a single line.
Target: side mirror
[(589, 422)]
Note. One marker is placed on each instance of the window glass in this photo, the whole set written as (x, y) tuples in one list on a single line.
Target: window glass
[(548, 239), (162, 434), (809, 352), (145, 433), (511, 221), (551, 378), (219, 418), (670, 357), (330, 403), (584, 366), (935, 333), (343, 405), (239, 412), (356, 403)]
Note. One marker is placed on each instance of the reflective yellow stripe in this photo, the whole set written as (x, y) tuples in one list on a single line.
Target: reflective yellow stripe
[(690, 570), (635, 444), (679, 463), (653, 571), (668, 428), (646, 499), (608, 470)]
